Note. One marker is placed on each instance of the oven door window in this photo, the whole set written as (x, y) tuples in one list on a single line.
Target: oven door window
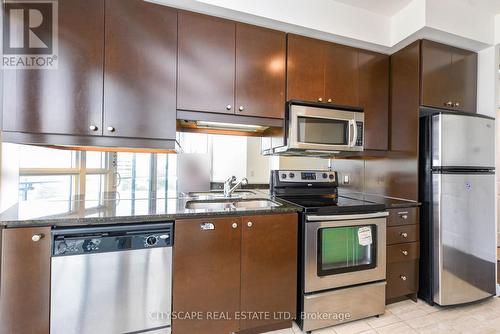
[(322, 131), (346, 249)]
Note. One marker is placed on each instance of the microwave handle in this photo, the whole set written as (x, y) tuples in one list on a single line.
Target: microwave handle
[(352, 124)]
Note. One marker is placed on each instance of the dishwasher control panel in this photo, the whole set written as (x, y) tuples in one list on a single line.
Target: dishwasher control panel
[(79, 241)]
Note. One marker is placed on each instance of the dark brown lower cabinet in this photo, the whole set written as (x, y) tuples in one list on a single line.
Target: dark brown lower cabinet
[(25, 281), (206, 275), (403, 253), (239, 273), (268, 268)]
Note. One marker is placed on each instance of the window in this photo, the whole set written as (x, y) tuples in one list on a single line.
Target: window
[(71, 175)]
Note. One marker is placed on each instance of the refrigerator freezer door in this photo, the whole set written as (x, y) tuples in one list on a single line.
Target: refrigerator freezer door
[(463, 141), (464, 244)]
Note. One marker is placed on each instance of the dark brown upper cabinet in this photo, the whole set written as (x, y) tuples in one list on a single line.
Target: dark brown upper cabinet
[(448, 77), (260, 71), (229, 67), (25, 280), (66, 100), (341, 75), (206, 63), (321, 71), (305, 68), (374, 98), (140, 70)]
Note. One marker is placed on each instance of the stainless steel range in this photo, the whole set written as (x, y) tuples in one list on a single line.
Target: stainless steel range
[(342, 261)]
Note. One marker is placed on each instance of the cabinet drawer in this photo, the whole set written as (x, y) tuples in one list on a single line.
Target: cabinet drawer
[(402, 234), (404, 216), (402, 279), (403, 252)]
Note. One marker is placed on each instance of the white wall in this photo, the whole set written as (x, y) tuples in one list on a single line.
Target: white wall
[(9, 171), (258, 166)]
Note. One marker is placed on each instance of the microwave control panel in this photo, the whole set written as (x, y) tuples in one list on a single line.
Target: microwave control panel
[(359, 139)]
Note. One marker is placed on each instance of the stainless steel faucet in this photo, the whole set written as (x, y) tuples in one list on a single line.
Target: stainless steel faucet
[(228, 190)]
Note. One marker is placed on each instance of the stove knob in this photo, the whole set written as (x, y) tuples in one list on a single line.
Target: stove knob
[(283, 176), (292, 175), (325, 175), (332, 176)]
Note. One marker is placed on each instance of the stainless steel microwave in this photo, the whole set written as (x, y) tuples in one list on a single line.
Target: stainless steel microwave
[(321, 129)]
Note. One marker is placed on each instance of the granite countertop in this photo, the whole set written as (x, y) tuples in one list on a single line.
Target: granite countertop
[(81, 212), (389, 202)]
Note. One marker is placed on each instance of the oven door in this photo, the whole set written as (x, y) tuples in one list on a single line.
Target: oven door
[(323, 129), (344, 250)]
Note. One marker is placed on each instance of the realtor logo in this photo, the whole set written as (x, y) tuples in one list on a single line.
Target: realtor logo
[(30, 34)]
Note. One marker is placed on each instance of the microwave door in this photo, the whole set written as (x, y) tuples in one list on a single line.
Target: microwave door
[(320, 133)]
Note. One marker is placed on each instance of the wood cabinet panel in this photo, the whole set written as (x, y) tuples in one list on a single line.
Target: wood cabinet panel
[(305, 68), (206, 274), (66, 100), (402, 279), (260, 71), (25, 281), (464, 80), (268, 267), (405, 87), (403, 216), (403, 252), (402, 234), (437, 85), (206, 63), (341, 75), (139, 86), (374, 98)]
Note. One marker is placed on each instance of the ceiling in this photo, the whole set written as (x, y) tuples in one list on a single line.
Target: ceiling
[(391, 7), (491, 6), (385, 7)]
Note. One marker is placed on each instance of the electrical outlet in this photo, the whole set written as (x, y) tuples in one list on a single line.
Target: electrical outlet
[(346, 179)]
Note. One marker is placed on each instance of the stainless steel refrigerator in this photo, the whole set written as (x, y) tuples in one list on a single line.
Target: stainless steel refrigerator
[(457, 191)]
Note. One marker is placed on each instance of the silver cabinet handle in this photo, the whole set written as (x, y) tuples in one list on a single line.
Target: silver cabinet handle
[(404, 235), (405, 252), (37, 237), (329, 101), (241, 108), (403, 277), (235, 225), (249, 224), (93, 128), (320, 99), (229, 107), (457, 104), (405, 217), (111, 129), (448, 104)]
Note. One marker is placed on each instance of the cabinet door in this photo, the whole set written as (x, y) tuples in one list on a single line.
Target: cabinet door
[(268, 267), (464, 72), (66, 100), (206, 275), (405, 69), (206, 63), (260, 71), (140, 70), (437, 80), (341, 75), (374, 98), (25, 281), (305, 69)]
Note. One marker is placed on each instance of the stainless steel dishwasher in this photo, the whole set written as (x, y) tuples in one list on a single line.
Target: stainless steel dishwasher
[(112, 280)]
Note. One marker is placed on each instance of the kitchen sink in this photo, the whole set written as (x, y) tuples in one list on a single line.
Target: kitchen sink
[(217, 193), (222, 205)]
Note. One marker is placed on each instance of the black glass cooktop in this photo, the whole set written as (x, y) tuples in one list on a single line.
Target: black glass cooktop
[(333, 204)]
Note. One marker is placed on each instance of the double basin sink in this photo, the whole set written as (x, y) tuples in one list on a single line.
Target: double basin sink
[(215, 201)]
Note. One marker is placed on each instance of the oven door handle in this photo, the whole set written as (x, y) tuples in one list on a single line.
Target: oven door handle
[(352, 124), (347, 217)]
